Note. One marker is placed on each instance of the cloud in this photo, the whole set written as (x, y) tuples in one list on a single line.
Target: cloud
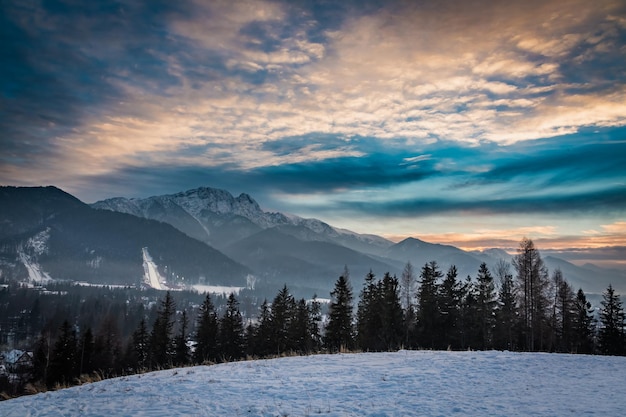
[(319, 97)]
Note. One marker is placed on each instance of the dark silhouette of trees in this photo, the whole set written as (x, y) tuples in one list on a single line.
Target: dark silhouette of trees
[(408, 283), (380, 316), (449, 305), (182, 354), (339, 330), (86, 348), (611, 334), (528, 312), (532, 281), (506, 309), (141, 347), (283, 319), (485, 306), (161, 341), (428, 318), (584, 326), (63, 360), (207, 333), (369, 317), (231, 331)]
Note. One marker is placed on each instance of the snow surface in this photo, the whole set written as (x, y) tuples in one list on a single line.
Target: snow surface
[(151, 273), (36, 275), (405, 383), (216, 289)]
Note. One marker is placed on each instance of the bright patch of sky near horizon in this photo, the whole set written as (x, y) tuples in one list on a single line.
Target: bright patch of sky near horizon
[(470, 124)]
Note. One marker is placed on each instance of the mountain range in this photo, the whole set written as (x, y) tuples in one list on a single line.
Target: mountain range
[(208, 236)]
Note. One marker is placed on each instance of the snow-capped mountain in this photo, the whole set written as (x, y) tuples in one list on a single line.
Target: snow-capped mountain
[(46, 234), (220, 219)]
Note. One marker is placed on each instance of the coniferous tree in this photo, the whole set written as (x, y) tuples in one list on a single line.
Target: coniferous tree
[(427, 306), (231, 331), (262, 334), (339, 331), (369, 315), (468, 315), (207, 333), (584, 324), (63, 360), (506, 311), (449, 300), (408, 284), (41, 358), (161, 341), (182, 355), (282, 316), (141, 347), (485, 305), (107, 347), (612, 322), (299, 331), (86, 350), (563, 313), (391, 332), (315, 320)]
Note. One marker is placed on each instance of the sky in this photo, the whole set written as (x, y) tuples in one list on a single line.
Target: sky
[(472, 123)]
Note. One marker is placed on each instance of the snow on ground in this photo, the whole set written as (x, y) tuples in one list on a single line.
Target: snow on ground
[(36, 275), (151, 273), (405, 383), (216, 289)]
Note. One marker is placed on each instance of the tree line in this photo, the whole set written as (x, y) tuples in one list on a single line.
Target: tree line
[(517, 306)]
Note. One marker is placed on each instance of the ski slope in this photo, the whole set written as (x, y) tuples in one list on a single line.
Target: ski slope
[(151, 274), (405, 383)]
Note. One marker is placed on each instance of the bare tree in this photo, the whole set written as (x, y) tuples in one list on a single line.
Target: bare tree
[(532, 280)]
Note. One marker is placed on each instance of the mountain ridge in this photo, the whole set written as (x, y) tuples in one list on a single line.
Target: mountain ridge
[(303, 251)]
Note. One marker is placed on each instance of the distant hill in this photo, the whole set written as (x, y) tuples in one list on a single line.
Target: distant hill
[(44, 230), (288, 254), (70, 240)]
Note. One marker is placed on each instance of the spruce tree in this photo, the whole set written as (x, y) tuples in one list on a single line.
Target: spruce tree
[(181, 354), (428, 317), (231, 331), (161, 341), (369, 315), (468, 315), (584, 324), (339, 330), (506, 311), (392, 329), (206, 333), (282, 316), (63, 361), (315, 320), (107, 347), (563, 313), (262, 335), (41, 358), (449, 300), (485, 305), (612, 322), (408, 283), (141, 346), (86, 350), (299, 335)]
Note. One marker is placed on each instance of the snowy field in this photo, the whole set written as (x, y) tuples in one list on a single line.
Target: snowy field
[(405, 383)]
